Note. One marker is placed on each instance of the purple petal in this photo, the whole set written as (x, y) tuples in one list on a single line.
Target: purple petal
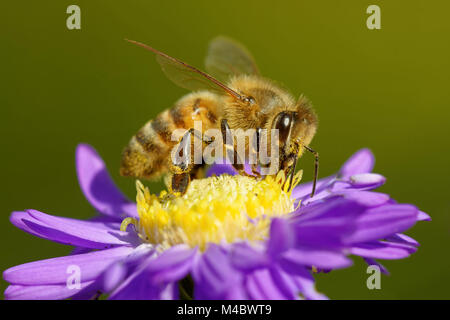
[(367, 180), (106, 222), (303, 280), (308, 289), (422, 216), (98, 187), (281, 237), (325, 224), (113, 276), (42, 292), (275, 284), (372, 262), (380, 222), (402, 238), (172, 265), (335, 206), (360, 162), (296, 258), (236, 293), (117, 272), (219, 169), (92, 291), (304, 190), (305, 284), (214, 276), (248, 257), (318, 196), (366, 198), (138, 286), (285, 283), (362, 197), (56, 270), (18, 218), (261, 286), (79, 250), (382, 250), (70, 231), (156, 277), (223, 168)]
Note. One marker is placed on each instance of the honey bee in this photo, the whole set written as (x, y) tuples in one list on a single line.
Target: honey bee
[(232, 94)]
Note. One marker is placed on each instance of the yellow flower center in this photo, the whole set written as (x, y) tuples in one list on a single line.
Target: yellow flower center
[(215, 209)]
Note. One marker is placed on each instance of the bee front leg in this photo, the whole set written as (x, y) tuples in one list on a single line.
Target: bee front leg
[(255, 151), (288, 165), (232, 155)]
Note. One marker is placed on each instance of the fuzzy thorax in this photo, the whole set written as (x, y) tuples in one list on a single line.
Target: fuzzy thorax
[(215, 209)]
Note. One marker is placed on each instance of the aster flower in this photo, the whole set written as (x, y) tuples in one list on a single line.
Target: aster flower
[(228, 237)]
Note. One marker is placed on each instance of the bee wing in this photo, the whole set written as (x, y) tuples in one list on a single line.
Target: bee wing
[(185, 75), (227, 57)]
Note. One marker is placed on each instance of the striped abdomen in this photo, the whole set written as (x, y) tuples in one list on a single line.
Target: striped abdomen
[(148, 153)]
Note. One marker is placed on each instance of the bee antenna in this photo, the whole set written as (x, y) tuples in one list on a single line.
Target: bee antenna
[(316, 168)]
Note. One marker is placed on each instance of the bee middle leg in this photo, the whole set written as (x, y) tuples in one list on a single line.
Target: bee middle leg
[(232, 155)]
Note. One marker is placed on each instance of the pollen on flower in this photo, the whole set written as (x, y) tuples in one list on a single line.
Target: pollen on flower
[(215, 209)]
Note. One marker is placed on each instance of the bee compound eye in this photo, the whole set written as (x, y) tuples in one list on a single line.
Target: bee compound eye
[(283, 124), (283, 121)]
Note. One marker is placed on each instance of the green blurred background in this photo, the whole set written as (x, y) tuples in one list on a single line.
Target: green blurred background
[(384, 89)]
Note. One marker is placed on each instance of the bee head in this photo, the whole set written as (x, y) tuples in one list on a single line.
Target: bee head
[(296, 127)]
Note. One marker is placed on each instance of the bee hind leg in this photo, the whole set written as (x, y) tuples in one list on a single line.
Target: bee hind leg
[(177, 184), (181, 165), (180, 183)]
